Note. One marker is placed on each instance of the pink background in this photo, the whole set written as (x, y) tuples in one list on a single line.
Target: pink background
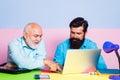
[(53, 36)]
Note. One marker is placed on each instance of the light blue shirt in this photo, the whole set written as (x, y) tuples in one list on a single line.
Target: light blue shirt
[(24, 56), (62, 48)]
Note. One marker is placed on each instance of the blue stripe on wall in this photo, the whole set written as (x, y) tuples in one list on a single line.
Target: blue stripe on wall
[(58, 13)]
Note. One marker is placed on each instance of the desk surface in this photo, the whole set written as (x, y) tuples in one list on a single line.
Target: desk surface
[(22, 76), (58, 76), (53, 76)]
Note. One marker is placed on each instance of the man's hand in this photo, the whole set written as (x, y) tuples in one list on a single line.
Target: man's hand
[(52, 65), (10, 65)]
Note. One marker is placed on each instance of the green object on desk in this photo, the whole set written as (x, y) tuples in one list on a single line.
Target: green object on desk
[(22, 76)]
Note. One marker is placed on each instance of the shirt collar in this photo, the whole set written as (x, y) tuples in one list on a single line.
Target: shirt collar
[(23, 42)]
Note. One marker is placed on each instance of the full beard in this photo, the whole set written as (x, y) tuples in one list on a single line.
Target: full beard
[(75, 43), (30, 44)]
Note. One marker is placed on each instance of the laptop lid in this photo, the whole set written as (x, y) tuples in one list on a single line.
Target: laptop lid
[(81, 61)]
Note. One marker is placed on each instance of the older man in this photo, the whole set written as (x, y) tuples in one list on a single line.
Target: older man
[(29, 50)]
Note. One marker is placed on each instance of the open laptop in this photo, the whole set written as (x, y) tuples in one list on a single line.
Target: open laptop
[(81, 61), (4, 69)]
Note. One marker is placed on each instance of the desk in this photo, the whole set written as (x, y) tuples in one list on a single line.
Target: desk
[(53, 76), (22, 76), (58, 76)]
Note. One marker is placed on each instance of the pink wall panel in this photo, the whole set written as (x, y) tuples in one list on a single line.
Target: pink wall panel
[(7, 35), (102, 35), (54, 36)]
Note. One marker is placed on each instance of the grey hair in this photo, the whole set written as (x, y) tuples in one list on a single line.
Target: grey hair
[(27, 27)]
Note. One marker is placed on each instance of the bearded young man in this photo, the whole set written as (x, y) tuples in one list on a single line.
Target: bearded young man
[(77, 40), (29, 50)]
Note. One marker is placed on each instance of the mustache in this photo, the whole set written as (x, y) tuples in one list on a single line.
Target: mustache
[(75, 39), (75, 43)]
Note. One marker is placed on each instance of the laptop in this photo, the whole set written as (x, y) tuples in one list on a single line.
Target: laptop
[(4, 69), (81, 61)]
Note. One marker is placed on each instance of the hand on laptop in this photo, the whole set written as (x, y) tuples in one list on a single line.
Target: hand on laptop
[(59, 67), (52, 65)]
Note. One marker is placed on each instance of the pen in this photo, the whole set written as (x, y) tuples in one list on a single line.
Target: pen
[(42, 76)]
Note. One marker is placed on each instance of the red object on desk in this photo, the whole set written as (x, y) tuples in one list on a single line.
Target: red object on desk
[(48, 71)]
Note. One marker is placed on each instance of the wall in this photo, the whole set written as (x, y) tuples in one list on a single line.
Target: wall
[(54, 36), (58, 13)]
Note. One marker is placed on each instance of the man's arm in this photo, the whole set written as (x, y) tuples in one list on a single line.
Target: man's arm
[(11, 65), (101, 62), (59, 55), (52, 65), (25, 60)]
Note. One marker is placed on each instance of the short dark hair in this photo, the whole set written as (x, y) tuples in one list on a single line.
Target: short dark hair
[(79, 21)]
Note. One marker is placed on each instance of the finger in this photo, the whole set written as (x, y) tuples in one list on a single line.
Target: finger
[(59, 68), (53, 68)]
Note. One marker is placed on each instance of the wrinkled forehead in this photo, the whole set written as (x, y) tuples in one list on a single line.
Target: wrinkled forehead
[(35, 31)]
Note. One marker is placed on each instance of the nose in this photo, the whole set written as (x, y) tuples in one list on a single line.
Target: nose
[(38, 38), (75, 35)]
